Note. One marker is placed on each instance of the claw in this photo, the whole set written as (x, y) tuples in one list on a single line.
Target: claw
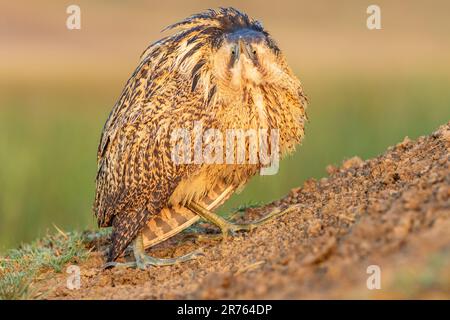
[(113, 264), (143, 261), (229, 228)]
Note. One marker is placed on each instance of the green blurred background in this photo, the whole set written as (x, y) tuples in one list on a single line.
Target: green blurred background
[(367, 89)]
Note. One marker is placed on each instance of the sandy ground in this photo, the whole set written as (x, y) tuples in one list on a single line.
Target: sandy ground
[(392, 211)]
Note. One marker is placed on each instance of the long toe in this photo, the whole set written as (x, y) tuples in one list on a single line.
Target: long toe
[(113, 264), (145, 261)]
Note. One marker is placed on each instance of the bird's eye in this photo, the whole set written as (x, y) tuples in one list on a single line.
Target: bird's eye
[(254, 52), (233, 52)]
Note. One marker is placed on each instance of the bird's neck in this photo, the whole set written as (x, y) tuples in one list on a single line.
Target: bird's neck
[(263, 108)]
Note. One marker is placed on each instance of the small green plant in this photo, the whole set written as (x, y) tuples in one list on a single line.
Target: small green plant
[(19, 267), (14, 285)]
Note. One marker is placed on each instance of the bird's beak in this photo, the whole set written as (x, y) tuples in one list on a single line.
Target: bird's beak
[(245, 47), (243, 42), (236, 52), (241, 46)]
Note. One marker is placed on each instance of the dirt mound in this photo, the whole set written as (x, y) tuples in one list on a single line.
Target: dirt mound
[(392, 212)]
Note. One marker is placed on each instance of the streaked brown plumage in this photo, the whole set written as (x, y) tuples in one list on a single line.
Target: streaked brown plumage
[(192, 75)]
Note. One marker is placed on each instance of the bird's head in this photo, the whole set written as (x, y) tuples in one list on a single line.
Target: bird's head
[(246, 56), (221, 50)]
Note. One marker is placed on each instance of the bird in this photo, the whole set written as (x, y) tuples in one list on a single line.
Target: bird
[(219, 68)]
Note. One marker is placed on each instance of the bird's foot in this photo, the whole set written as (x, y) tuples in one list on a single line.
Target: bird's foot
[(275, 214), (114, 264), (230, 229), (144, 261)]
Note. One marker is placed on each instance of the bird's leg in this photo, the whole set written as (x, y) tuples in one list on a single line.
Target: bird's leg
[(143, 261), (228, 227)]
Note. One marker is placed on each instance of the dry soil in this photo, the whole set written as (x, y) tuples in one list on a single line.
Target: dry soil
[(392, 212)]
